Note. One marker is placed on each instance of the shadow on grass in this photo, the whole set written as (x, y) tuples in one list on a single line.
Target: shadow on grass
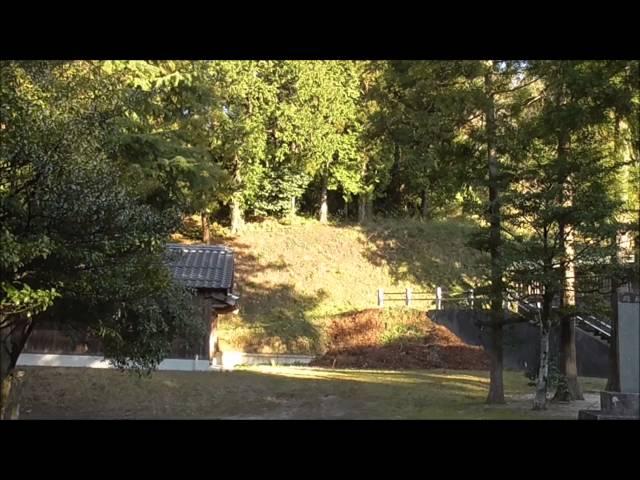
[(257, 393), (275, 314), (287, 327), (429, 253)]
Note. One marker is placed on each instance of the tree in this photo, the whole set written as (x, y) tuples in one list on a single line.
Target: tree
[(74, 238), (240, 124), (536, 222), (496, 388), (285, 174), (422, 113), (496, 94), (451, 125), (562, 197), (163, 133), (578, 102), (328, 100)]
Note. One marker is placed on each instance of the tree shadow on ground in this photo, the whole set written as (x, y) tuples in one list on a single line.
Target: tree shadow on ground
[(257, 393), (430, 253), (287, 328), (275, 314)]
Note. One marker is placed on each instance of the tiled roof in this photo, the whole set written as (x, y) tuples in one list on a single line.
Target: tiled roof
[(202, 266)]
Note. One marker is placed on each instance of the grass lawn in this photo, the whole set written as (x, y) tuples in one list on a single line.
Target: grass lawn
[(282, 393)]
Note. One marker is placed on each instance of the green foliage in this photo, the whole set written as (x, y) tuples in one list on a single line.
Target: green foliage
[(138, 336), (401, 331), (164, 133), (556, 190), (77, 245), (555, 379), (278, 188)]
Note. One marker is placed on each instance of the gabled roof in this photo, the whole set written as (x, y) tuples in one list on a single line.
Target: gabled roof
[(202, 266)]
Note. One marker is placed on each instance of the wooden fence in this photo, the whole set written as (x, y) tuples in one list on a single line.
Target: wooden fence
[(595, 284), (437, 299)]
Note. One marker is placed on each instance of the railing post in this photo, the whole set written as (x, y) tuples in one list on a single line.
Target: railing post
[(408, 295), (438, 298), (380, 297), (471, 299)]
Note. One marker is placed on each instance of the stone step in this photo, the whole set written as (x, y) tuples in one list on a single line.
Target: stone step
[(618, 403), (599, 415)]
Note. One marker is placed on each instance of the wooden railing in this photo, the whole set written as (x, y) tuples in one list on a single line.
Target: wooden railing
[(437, 298)]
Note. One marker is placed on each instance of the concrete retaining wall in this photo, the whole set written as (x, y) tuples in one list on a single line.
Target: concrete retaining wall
[(92, 361), (521, 342), (225, 361), (232, 359)]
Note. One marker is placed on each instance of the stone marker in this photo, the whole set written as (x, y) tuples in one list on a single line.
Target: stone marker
[(629, 341), (625, 404)]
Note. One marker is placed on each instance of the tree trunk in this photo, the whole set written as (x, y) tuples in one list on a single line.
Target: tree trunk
[(569, 284), (613, 381), (362, 207), (213, 337), (569, 389), (424, 208), (236, 216), (236, 210), (206, 232), (496, 386), (10, 395), (292, 207), (394, 190), (362, 198), (540, 399), (324, 208), (13, 338)]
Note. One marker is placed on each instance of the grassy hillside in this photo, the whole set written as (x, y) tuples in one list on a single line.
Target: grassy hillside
[(293, 278)]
